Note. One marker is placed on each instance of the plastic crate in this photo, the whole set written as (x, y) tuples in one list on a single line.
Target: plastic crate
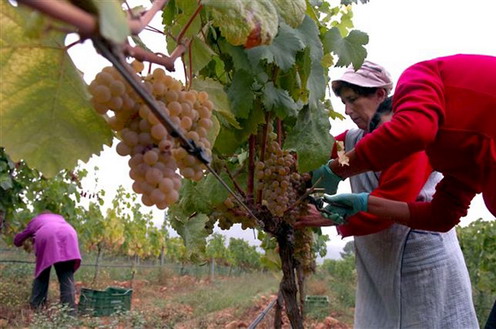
[(316, 302), (104, 302)]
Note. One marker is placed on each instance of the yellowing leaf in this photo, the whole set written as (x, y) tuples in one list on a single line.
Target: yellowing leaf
[(245, 22), (342, 157), (46, 118), (292, 11)]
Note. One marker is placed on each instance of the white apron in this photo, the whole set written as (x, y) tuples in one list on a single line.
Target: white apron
[(409, 278)]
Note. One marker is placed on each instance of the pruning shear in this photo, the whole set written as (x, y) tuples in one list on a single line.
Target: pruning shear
[(319, 204)]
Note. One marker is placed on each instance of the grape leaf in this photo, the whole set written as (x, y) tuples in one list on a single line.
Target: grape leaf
[(183, 10), (250, 125), (350, 49), (202, 196), (191, 229), (169, 12), (282, 51), (315, 76), (240, 94), (278, 101), (229, 140), (310, 138), (201, 54), (47, 119), (291, 11), (238, 55), (218, 96), (112, 20), (241, 21), (213, 132)]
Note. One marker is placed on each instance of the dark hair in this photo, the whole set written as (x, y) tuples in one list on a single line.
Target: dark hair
[(359, 90), (385, 108)]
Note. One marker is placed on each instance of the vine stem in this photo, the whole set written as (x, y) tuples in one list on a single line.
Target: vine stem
[(280, 131), (235, 183), (251, 168), (143, 55), (188, 23), (64, 11), (87, 26), (262, 150), (288, 286), (138, 25)]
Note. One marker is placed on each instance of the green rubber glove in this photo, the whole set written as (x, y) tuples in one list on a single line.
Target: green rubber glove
[(328, 180), (346, 204)]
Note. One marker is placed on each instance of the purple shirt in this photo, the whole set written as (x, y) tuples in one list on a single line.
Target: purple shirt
[(55, 241)]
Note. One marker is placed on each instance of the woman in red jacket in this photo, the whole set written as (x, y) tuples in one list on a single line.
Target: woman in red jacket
[(447, 107), (394, 263)]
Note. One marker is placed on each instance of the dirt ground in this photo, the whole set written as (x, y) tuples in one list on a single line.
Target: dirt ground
[(156, 305)]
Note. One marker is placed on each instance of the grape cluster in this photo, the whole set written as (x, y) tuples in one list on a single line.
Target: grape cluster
[(303, 253), (277, 178), (156, 157), (233, 214)]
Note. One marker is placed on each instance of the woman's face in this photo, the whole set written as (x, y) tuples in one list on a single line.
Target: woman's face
[(361, 108)]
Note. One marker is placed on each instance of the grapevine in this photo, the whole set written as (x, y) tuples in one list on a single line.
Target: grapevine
[(283, 79), (155, 156)]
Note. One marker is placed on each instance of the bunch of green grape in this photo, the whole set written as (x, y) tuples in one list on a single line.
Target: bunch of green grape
[(277, 178), (232, 213), (158, 162), (303, 250)]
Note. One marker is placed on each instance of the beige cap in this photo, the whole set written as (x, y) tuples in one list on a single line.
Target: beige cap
[(368, 75)]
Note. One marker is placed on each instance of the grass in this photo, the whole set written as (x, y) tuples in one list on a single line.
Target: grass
[(227, 293), (162, 298)]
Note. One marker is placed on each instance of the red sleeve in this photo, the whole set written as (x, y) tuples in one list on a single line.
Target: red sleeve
[(418, 105), (402, 181), (448, 205)]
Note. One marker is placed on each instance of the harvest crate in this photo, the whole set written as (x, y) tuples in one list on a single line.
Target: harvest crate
[(316, 302), (104, 302)]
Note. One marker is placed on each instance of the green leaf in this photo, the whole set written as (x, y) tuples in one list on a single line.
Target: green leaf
[(250, 125), (282, 51), (240, 94), (204, 195), (291, 11), (218, 96), (169, 13), (310, 138), (112, 20), (229, 140), (240, 19), (47, 119), (315, 76), (213, 132), (350, 49), (238, 55), (191, 229), (5, 181), (201, 54), (182, 12), (278, 101)]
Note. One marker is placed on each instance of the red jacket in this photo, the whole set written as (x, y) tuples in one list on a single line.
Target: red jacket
[(401, 181), (446, 106)]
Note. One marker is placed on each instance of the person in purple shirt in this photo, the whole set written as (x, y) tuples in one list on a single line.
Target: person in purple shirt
[(55, 243)]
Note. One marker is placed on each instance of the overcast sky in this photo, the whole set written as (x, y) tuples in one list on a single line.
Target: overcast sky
[(401, 33)]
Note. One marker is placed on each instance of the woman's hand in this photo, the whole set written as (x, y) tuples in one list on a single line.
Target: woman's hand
[(324, 177), (28, 245), (313, 219), (346, 204)]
